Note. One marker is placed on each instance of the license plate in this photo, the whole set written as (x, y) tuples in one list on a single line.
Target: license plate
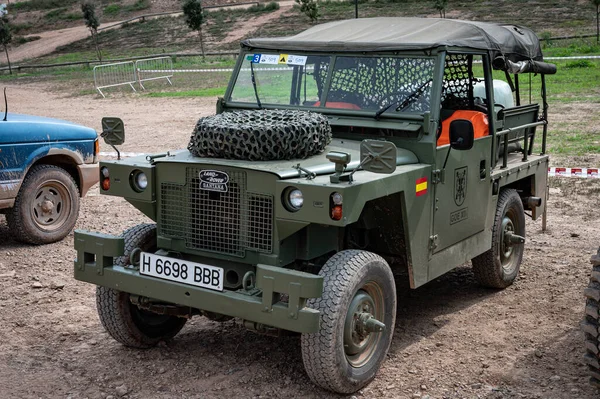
[(182, 271)]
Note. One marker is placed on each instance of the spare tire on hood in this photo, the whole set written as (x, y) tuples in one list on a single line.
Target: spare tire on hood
[(261, 135)]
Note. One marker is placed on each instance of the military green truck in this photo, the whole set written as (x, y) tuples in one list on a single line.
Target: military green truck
[(338, 158)]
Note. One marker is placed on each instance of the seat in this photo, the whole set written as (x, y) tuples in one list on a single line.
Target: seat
[(337, 104), (478, 119)]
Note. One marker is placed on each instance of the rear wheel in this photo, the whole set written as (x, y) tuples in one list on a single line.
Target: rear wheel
[(358, 312), (125, 321), (499, 266)]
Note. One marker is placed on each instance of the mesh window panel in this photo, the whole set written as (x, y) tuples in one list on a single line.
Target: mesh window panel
[(457, 92), (225, 222), (372, 82)]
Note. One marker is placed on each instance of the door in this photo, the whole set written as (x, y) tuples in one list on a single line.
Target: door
[(463, 196)]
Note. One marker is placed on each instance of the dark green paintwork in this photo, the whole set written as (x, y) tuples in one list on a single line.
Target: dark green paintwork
[(441, 230), (93, 266)]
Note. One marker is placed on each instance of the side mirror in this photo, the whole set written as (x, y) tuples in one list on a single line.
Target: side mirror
[(113, 131), (462, 135), (378, 156)]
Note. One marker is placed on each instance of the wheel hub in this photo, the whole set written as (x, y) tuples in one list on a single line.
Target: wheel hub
[(50, 208), (508, 230), (47, 206), (360, 325)]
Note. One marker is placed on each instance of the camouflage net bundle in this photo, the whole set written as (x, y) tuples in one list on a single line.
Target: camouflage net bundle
[(261, 135)]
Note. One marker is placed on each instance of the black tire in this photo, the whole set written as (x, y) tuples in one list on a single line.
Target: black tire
[(591, 323), (124, 321), (499, 266), (341, 357), (261, 135), (46, 207)]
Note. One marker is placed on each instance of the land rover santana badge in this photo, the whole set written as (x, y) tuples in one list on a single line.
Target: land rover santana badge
[(214, 180)]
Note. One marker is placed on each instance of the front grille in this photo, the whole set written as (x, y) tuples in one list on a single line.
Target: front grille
[(228, 222)]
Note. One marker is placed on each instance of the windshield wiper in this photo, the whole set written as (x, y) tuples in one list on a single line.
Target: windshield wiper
[(254, 85), (412, 97)]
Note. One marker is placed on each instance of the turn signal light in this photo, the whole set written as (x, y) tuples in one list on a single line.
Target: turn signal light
[(104, 178), (96, 147), (336, 212)]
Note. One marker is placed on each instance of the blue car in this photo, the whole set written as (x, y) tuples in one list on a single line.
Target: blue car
[(46, 166)]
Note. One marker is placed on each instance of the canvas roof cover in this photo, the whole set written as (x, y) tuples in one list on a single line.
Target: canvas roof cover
[(396, 34)]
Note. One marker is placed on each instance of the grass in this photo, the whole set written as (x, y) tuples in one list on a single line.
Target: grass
[(62, 14), (112, 9), (39, 5), (208, 92), (137, 6)]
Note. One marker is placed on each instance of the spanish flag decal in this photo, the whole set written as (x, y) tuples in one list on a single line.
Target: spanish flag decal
[(421, 186)]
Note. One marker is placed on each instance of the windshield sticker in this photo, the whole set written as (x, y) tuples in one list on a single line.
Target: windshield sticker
[(296, 59), (272, 59), (213, 180)]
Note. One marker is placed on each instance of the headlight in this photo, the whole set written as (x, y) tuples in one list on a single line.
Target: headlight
[(139, 180), (293, 199)]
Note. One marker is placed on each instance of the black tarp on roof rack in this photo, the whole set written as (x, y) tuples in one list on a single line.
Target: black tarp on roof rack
[(513, 42)]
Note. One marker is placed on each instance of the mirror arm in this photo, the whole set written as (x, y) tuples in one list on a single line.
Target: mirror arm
[(118, 152), (367, 159)]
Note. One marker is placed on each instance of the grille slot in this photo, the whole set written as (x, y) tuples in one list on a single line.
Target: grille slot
[(224, 222)]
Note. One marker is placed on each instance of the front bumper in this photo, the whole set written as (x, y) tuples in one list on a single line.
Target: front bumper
[(94, 264)]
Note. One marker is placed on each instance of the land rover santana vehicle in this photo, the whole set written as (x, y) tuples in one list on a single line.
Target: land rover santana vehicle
[(339, 157)]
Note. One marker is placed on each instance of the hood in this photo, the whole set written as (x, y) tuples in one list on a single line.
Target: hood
[(318, 164), (19, 128)]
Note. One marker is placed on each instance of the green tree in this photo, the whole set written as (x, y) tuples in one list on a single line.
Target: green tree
[(5, 33), (441, 5), (310, 8), (194, 17), (92, 22), (597, 4)]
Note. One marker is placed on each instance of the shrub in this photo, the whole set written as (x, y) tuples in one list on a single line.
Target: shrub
[(137, 6), (112, 9), (272, 6)]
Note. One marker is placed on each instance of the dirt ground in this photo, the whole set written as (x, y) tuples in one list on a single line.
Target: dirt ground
[(453, 339)]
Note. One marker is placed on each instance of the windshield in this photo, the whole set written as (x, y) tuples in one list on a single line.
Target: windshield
[(356, 83)]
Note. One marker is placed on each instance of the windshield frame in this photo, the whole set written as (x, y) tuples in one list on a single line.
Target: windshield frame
[(437, 71)]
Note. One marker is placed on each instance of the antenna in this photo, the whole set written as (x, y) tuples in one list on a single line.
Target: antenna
[(5, 106)]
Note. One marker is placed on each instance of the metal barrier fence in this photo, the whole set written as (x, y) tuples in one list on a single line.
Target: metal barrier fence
[(154, 69), (117, 74)]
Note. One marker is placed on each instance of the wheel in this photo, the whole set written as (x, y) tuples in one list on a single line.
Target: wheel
[(123, 320), (591, 323), (358, 313), (46, 207), (498, 267)]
